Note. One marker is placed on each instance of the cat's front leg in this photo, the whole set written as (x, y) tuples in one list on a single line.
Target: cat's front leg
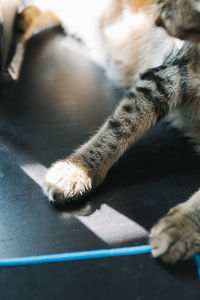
[(157, 92), (69, 179), (177, 235)]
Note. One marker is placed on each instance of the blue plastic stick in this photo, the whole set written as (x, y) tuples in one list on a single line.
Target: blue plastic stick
[(197, 261), (82, 255)]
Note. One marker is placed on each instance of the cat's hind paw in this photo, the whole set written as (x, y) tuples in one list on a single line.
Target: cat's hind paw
[(65, 182)]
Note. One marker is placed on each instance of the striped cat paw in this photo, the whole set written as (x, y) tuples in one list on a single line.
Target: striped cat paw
[(66, 181), (176, 236)]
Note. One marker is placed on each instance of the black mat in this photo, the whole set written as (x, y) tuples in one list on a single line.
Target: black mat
[(60, 100)]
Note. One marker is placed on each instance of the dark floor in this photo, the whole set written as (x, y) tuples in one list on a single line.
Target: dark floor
[(60, 100)]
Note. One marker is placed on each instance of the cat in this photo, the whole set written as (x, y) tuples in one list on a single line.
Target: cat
[(162, 76)]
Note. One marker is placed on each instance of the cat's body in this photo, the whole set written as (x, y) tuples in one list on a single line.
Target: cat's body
[(169, 83)]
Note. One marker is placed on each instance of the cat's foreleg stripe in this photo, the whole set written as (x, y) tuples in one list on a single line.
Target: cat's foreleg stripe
[(160, 104), (112, 147), (87, 161), (113, 124), (183, 81), (130, 95), (147, 92), (160, 82), (127, 108)]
